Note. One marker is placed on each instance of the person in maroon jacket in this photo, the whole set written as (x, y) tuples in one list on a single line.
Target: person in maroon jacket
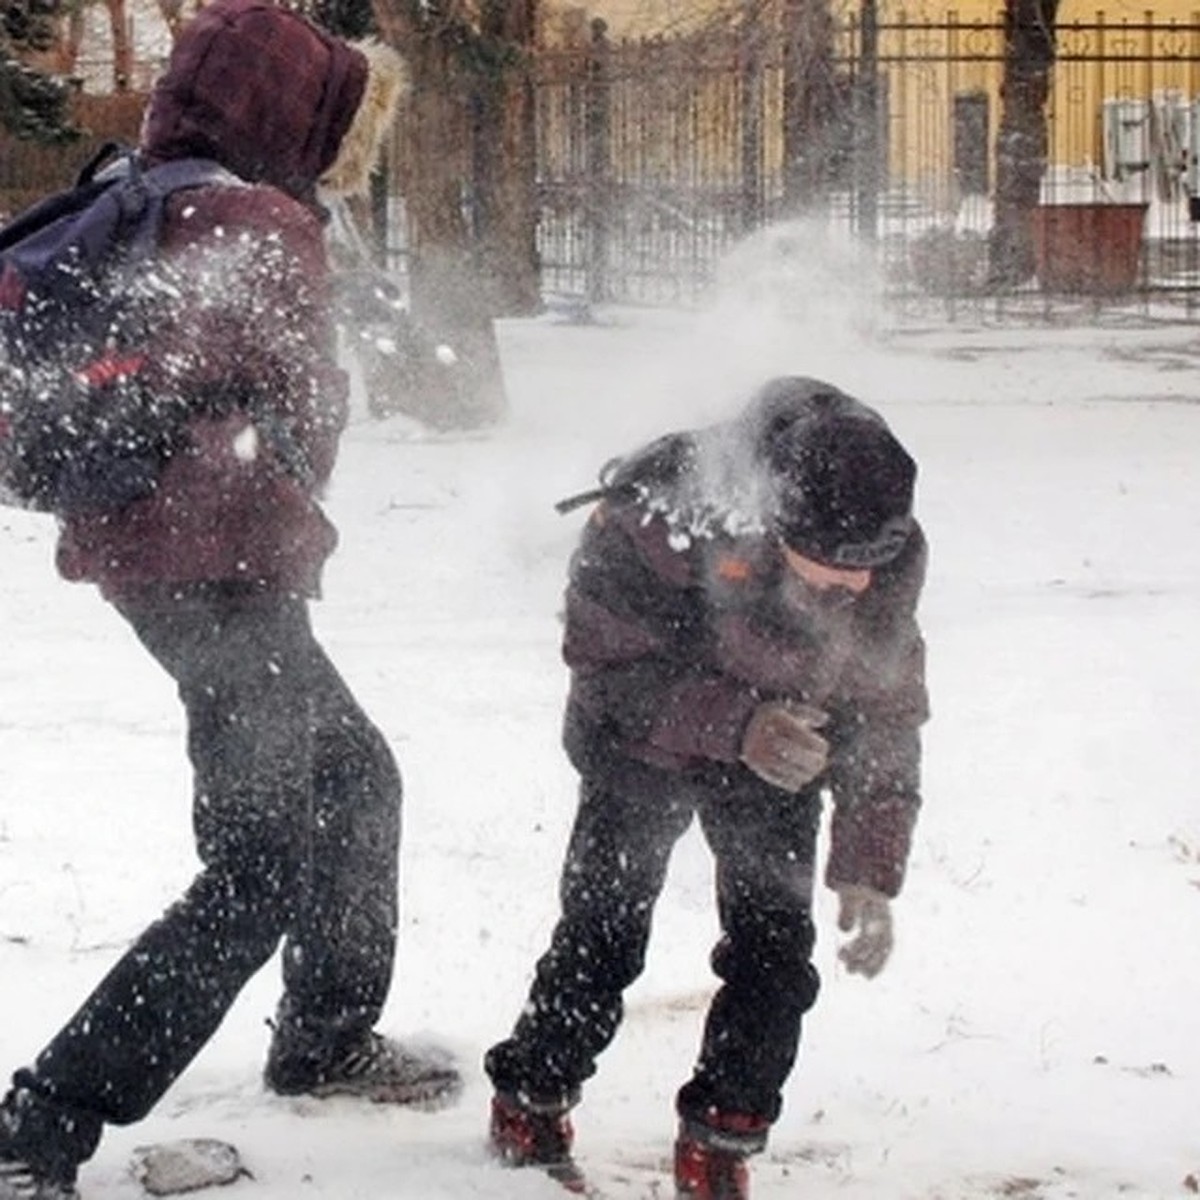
[(742, 637), (296, 796)]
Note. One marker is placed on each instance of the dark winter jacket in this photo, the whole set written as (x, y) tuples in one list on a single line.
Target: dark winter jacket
[(678, 625), (245, 336)]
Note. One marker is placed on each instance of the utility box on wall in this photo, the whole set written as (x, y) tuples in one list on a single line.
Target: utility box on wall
[(1192, 172), (1127, 138)]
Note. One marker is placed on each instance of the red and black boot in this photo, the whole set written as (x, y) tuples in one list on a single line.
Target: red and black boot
[(526, 1134), (710, 1156)]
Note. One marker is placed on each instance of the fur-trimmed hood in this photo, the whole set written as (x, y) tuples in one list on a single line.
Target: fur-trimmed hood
[(387, 83), (274, 98)]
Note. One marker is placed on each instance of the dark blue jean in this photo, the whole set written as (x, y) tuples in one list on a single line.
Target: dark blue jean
[(630, 816), (296, 812)]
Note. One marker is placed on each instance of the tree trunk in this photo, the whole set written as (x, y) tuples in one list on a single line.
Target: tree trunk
[(810, 98), (1022, 140), (504, 168), (69, 41), (122, 42), (448, 295)]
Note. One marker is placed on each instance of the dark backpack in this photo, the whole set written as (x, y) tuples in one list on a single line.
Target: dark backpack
[(78, 432), (654, 469)]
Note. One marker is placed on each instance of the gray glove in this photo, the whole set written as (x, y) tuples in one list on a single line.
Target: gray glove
[(782, 746), (868, 914)]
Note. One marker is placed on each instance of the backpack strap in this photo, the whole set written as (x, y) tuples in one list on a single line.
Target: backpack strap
[(111, 153), (155, 184), (570, 503), (56, 207), (136, 199), (609, 488), (121, 196)]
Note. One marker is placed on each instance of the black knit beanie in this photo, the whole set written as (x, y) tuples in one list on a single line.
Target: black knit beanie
[(844, 484)]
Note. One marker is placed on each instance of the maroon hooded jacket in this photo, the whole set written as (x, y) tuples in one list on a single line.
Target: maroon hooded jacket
[(682, 617), (245, 330)]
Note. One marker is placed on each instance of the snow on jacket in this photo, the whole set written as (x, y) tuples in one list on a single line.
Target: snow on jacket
[(675, 633), (245, 335)]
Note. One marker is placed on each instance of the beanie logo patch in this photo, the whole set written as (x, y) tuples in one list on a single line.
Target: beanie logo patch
[(881, 549)]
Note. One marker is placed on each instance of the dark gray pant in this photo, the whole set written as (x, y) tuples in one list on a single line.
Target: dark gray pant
[(297, 823), (630, 817)]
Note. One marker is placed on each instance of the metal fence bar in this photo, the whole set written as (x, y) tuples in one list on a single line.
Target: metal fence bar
[(655, 156), (914, 171)]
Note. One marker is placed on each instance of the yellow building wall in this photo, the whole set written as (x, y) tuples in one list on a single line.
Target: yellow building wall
[(924, 70), (648, 18), (1118, 52)]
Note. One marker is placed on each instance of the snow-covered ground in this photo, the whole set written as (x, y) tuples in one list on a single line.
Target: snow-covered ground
[(1035, 1034)]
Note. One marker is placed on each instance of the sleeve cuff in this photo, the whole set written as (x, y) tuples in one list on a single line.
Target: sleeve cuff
[(870, 844)]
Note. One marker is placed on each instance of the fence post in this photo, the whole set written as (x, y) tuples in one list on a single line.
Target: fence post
[(751, 214), (597, 185), (866, 126)]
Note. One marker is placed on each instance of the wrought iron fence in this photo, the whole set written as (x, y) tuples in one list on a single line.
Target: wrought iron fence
[(655, 157)]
